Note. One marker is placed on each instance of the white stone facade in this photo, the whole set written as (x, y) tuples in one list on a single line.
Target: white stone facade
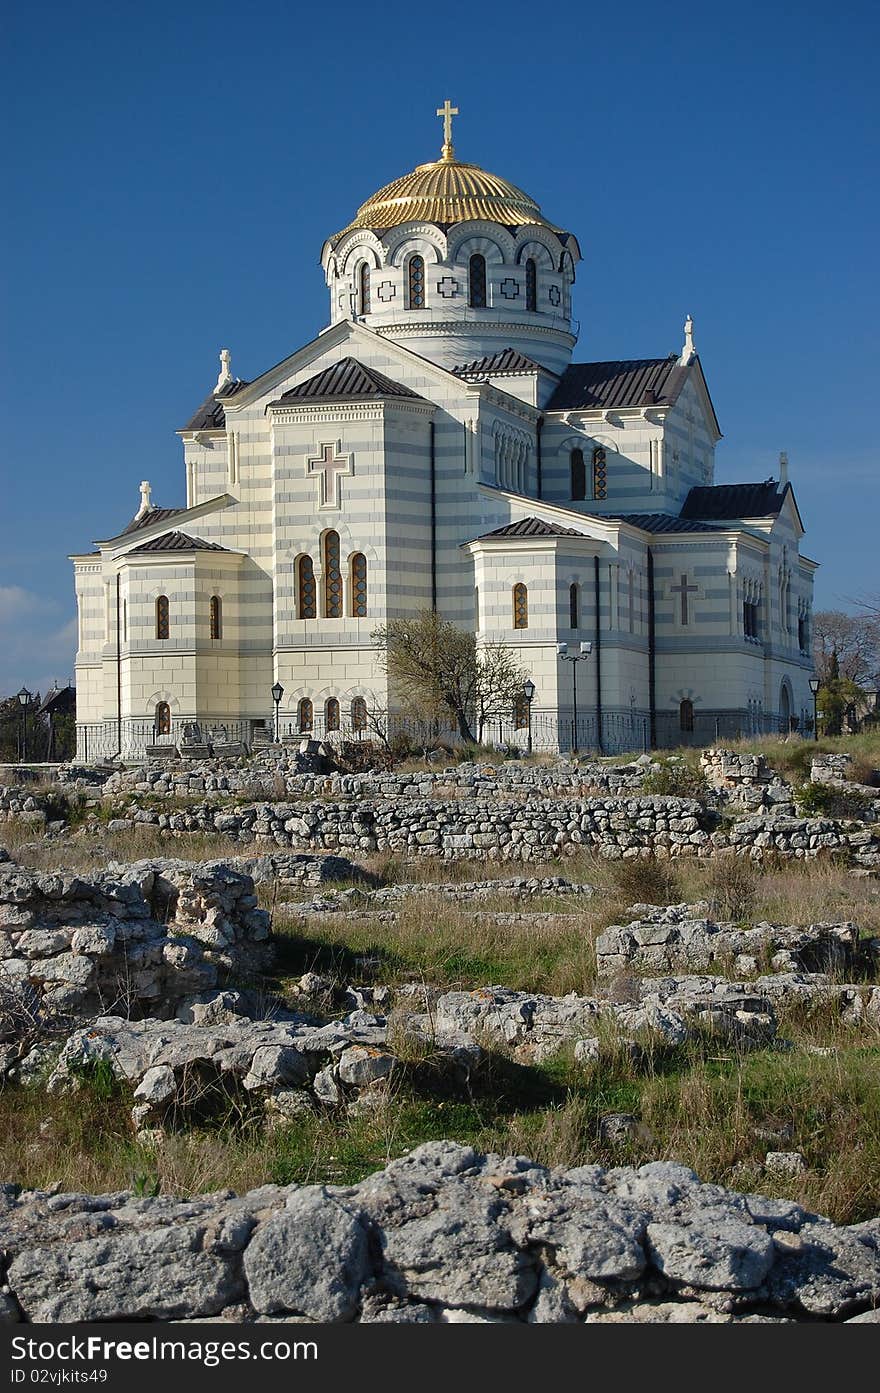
[(359, 480)]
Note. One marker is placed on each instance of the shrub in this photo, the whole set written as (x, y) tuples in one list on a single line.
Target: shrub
[(646, 881), (829, 800), (677, 779)]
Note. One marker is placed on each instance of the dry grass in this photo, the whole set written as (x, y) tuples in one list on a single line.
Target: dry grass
[(88, 854)]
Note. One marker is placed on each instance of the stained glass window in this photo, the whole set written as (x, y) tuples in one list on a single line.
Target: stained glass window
[(216, 617), (162, 720), (305, 714), (520, 713), (531, 285), (163, 617), (520, 606), (364, 288), (477, 282), (308, 595), (359, 585), (332, 577), (415, 291), (600, 473), (331, 714), (358, 714)]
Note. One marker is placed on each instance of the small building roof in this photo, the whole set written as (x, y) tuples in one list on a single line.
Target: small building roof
[(210, 415), (619, 382), (347, 380), (146, 519), (660, 522), (177, 541), (717, 502), (61, 701), (507, 361), (531, 527)]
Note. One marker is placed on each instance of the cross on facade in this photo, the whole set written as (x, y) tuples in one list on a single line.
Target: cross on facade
[(683, 589), (329, 468), (447, 111)]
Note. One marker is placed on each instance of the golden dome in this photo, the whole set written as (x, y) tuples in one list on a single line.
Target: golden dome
[(447, 192)]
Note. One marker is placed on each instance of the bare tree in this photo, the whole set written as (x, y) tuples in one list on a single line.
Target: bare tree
[(436, 669), (853, 639)]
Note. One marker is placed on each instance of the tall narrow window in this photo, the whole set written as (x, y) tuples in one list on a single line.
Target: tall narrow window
[(686, 715), (531, 285), (162, 719), (600, 473), (578, 475), (477, 608), (520, 606), (307, 595), (332, 577), (331, 714), (359, 585), (305, 717), (364, 288), (415, 283), (632, 603), (477, 282), (216, 617), (163, 617), (358, 714), (802, 633), (574, 606), (520, 712)]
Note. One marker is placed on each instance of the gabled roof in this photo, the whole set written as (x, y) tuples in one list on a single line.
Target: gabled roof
[(661, 522), (141, 520), (531, 527), (347, 380), (716, 502), (509, 360), (176, 541), (620, 382), (210, 415)]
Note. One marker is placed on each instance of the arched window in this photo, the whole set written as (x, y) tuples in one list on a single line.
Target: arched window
[(600, 473), (520, 606), (686, 715), (162, 718), (332, 577), (574, 606), (415, 283), (363, 297), (477, 282), (578, 475), (358, 714), (305, 714), (520, 712), (163, 617), (531, 285), (216, 617), (331, 714), (359, 585), (307, 595)]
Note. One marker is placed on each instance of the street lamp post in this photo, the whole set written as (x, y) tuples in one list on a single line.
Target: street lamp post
[(586, 649), (24, 697), (529, 694), (277, 694), (814, 688)]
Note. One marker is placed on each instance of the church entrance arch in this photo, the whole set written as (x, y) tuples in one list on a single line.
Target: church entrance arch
[(785, 705)]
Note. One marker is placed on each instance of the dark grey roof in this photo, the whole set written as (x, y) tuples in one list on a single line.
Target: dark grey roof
[(147, 519), (345, 381), (661, 522), (621, 382), (177, 541), (210, 415), (531, 527), (728, 501), (507, 361)]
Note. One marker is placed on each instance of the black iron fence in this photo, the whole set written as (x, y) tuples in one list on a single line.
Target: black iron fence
[(614, 732)]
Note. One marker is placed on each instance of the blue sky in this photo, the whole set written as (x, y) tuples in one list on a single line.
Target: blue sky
[(175, 169)]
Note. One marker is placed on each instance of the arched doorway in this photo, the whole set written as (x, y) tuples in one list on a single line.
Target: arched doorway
[(785, 706), (162, 718)]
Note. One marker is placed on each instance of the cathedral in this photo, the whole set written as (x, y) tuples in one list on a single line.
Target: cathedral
[(435, 446)]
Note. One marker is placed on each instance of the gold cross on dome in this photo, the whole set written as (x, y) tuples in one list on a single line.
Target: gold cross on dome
[(447, 111)]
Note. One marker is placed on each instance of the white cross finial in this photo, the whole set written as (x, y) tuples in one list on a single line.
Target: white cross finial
[(783, 466), (447, 111), (225, 378), (688, 352), (145, 498)]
